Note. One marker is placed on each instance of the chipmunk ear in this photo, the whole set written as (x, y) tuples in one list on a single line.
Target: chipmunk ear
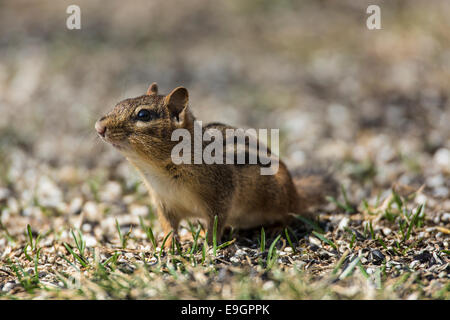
[(177, 101), (153, 89)]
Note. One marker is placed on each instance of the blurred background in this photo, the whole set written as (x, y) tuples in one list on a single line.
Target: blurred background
[(373, 103)]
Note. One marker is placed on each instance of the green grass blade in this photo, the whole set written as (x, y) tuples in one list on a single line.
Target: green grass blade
[(271, 257), (76, 256), (340, 262), (151, 236), (215, 236), (25, 251), (321, 237), (30, 236), (349, 268), (164, 243), (363, 271), (263, 240), (412, 222), (194, 245), (36, 262), (310, 223), (289, 239), (225, 244), (118, 231), (204, 252)]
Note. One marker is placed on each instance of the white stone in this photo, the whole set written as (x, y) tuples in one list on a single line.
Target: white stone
[(442, 158), (8, 286), (387, 231), (75, 205), (138, 210), (344, 223), (421, 199), (90, 240), (234, 260), (435, 181), (4, 193), (315, 241), (86, 227), (111, 191), (268, 285), (91, 210)]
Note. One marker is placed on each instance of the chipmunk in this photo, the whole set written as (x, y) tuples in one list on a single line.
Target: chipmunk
[(141, 129)]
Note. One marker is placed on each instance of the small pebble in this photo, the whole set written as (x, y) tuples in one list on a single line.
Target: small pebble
[(378, 255), (75, 205), (90, 240), (441, 192), (234, 260), (268, 285), (91, 210), (421, 199), (138, 210), (315, 241), (445, 217), (423, 257), (344, 223), (129, 255), (435, 181), (8, 286), (442, 158), (111, 191), (4, 193), (436, 258), (86, 227)]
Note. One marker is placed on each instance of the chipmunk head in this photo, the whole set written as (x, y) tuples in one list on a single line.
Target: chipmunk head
[(142, 126)]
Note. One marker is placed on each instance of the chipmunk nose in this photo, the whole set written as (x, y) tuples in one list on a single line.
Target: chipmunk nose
[(100, 127)]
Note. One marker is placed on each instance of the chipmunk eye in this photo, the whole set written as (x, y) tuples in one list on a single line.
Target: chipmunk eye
[(145, 115)]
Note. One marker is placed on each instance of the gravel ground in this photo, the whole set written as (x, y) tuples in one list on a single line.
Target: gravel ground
[(371, 106)]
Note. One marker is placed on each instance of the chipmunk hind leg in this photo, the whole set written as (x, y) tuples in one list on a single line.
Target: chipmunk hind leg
[(169, 222)]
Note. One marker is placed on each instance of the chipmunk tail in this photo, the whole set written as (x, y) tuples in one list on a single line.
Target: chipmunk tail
[(313, 186)]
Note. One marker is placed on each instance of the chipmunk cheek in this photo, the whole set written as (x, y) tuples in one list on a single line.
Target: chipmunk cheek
[(145, 128), (142, 128)]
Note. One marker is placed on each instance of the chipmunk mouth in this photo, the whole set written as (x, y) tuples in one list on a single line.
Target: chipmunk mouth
[(118, 144), (116, 140)]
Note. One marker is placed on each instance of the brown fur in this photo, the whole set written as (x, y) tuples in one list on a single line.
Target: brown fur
[(237, 194)]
